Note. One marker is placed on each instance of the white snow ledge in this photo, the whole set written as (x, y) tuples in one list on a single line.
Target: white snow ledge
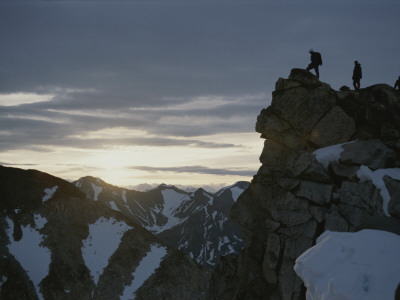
[(364, 265)]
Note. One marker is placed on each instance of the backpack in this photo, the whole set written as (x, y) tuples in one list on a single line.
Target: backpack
[(319, 58)]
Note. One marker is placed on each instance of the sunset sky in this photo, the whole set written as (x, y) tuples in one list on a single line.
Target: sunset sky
[(169, 91)]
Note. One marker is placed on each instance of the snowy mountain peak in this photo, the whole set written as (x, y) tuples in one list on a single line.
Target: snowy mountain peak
[(81, 249), (194, 222)]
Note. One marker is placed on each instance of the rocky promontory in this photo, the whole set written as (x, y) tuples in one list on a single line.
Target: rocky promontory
[(330, 162)]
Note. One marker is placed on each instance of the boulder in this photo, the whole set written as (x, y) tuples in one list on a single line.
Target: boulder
[(344, 88), (393, 187), (275, 155), (335, 127), (371, 153), (305, 78), (282, 206), (304, 165), (334, 221), (380, 223), (317, 193), (343, 172), (363, 195), (303, 108), (284, 84)]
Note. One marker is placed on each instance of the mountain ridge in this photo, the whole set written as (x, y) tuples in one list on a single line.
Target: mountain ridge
[(193, 222), (80, 249)]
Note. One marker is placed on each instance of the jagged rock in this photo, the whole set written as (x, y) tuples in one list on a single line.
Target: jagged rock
[(371, 153), (363, 195), (275, 155), (335, 222), (284, 84), (315, 192), (343, 172), (289, 283), (224, 279), (344, 88), (288, 183), (276, 129), (375, 109), (302, 108), (393, 187), (294, 198), (272, 258), (283, 206), (353, 215), (380, 223), (318, 213), (335, 127), (305, 78), (268, 121), (307, 229), (246, 212), (305, 166)]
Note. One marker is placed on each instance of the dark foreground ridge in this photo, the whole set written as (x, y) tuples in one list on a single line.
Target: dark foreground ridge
[(76, 248), (294, 197)]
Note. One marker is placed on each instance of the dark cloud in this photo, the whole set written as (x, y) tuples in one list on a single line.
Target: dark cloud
[(196, 169), (16, 165), (132, 64)]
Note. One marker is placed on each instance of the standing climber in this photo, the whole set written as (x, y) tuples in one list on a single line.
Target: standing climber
[(357, 75), (397, 84), (316, 61)]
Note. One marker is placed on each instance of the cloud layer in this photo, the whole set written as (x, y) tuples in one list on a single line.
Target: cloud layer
[(172, 74)]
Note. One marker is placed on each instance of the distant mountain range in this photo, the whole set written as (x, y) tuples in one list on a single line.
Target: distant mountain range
[(55, 243), (193, 222)]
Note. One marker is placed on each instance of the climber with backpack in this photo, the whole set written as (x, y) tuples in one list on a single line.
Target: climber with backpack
[(316, 61), (357, 75)]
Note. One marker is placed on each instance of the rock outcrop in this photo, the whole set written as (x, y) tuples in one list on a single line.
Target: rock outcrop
[(325, 158)]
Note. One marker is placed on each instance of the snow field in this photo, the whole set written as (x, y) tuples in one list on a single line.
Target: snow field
[(96, 190), (363, 265), (236, 192), (104, 238), (49, 193), (172, 200), (34, 258), (144, 270)]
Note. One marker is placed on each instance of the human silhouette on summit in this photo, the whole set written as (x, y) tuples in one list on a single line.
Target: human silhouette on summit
[(316, 61), (397, 84), (357, 75)]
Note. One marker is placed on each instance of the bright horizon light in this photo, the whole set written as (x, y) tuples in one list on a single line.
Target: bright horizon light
[(170, 165)]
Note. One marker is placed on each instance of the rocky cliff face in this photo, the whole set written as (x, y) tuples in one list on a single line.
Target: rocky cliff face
[(57, 244), (196, 223), (330, 162)]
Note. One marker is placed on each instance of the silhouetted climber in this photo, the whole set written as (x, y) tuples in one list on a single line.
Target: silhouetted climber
[(397, 84), (357, 75), (316, 61)]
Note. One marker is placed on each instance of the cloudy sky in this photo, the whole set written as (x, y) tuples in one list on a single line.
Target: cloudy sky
[(169, 91)]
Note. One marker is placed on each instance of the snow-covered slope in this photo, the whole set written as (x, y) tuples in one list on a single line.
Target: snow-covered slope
[(363, 265), (57, 244), (193, 222)]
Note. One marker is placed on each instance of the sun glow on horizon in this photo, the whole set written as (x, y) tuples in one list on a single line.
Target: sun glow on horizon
[(118, 164)]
